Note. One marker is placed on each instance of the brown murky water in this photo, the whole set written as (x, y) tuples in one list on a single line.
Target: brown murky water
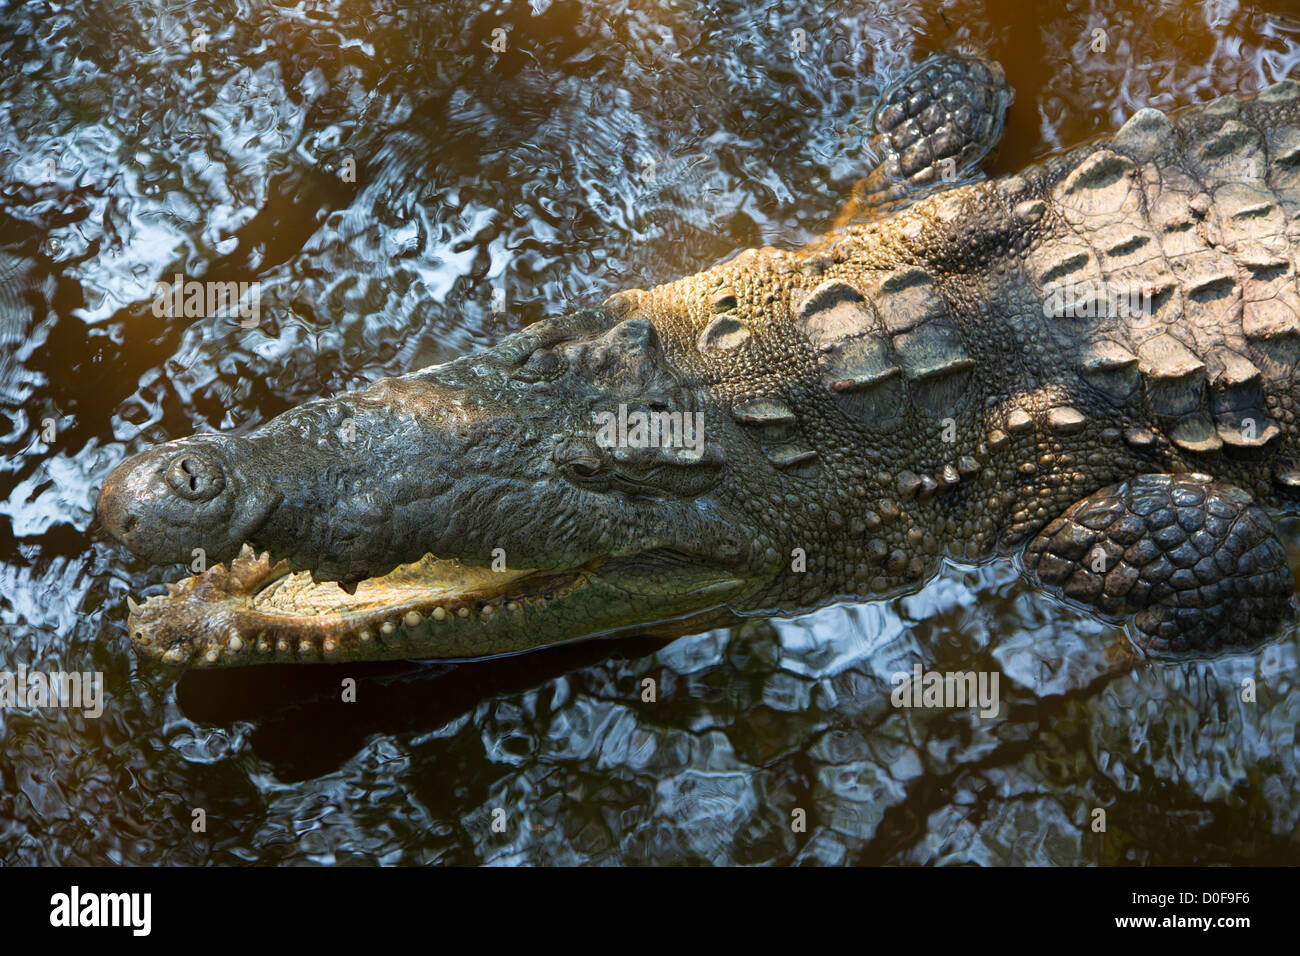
[(608, 145)]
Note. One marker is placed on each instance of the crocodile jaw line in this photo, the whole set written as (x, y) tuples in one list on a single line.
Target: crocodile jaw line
[(255, 611)]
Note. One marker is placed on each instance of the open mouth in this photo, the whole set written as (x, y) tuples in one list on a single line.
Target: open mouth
[(255, 611)]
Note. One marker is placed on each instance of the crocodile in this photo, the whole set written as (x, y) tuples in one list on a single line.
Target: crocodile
[(1087, 367)]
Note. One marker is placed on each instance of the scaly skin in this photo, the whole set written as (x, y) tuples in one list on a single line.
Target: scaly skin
[(934, 125), (890, 395)]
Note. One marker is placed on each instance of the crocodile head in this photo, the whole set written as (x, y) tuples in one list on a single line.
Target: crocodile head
[(497, 503)]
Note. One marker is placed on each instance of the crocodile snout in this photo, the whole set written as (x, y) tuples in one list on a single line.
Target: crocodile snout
[(203, 492)]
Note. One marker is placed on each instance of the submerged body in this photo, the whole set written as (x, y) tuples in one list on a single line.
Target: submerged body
[(964, 377)]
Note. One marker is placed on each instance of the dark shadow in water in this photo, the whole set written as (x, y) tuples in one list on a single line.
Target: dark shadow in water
[(303, 728)]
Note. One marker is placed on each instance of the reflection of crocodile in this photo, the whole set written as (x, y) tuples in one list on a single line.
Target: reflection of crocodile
[(894, 393)]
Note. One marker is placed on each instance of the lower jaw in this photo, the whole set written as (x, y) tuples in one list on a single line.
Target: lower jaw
[(252, 612), (455, 630)]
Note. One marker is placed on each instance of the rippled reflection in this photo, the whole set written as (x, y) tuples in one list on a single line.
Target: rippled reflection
[(405, 190)]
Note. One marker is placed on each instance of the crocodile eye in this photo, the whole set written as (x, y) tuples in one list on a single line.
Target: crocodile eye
[(579, 458), (585, 467), (542, 366)]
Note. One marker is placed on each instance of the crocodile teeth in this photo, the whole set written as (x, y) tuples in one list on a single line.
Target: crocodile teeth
[(132, 604)]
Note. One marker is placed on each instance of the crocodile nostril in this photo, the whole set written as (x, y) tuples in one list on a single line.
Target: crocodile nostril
[(195, 477)]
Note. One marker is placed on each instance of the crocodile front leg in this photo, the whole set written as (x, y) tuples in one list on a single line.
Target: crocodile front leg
[(934, 126), (1195, 560)]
